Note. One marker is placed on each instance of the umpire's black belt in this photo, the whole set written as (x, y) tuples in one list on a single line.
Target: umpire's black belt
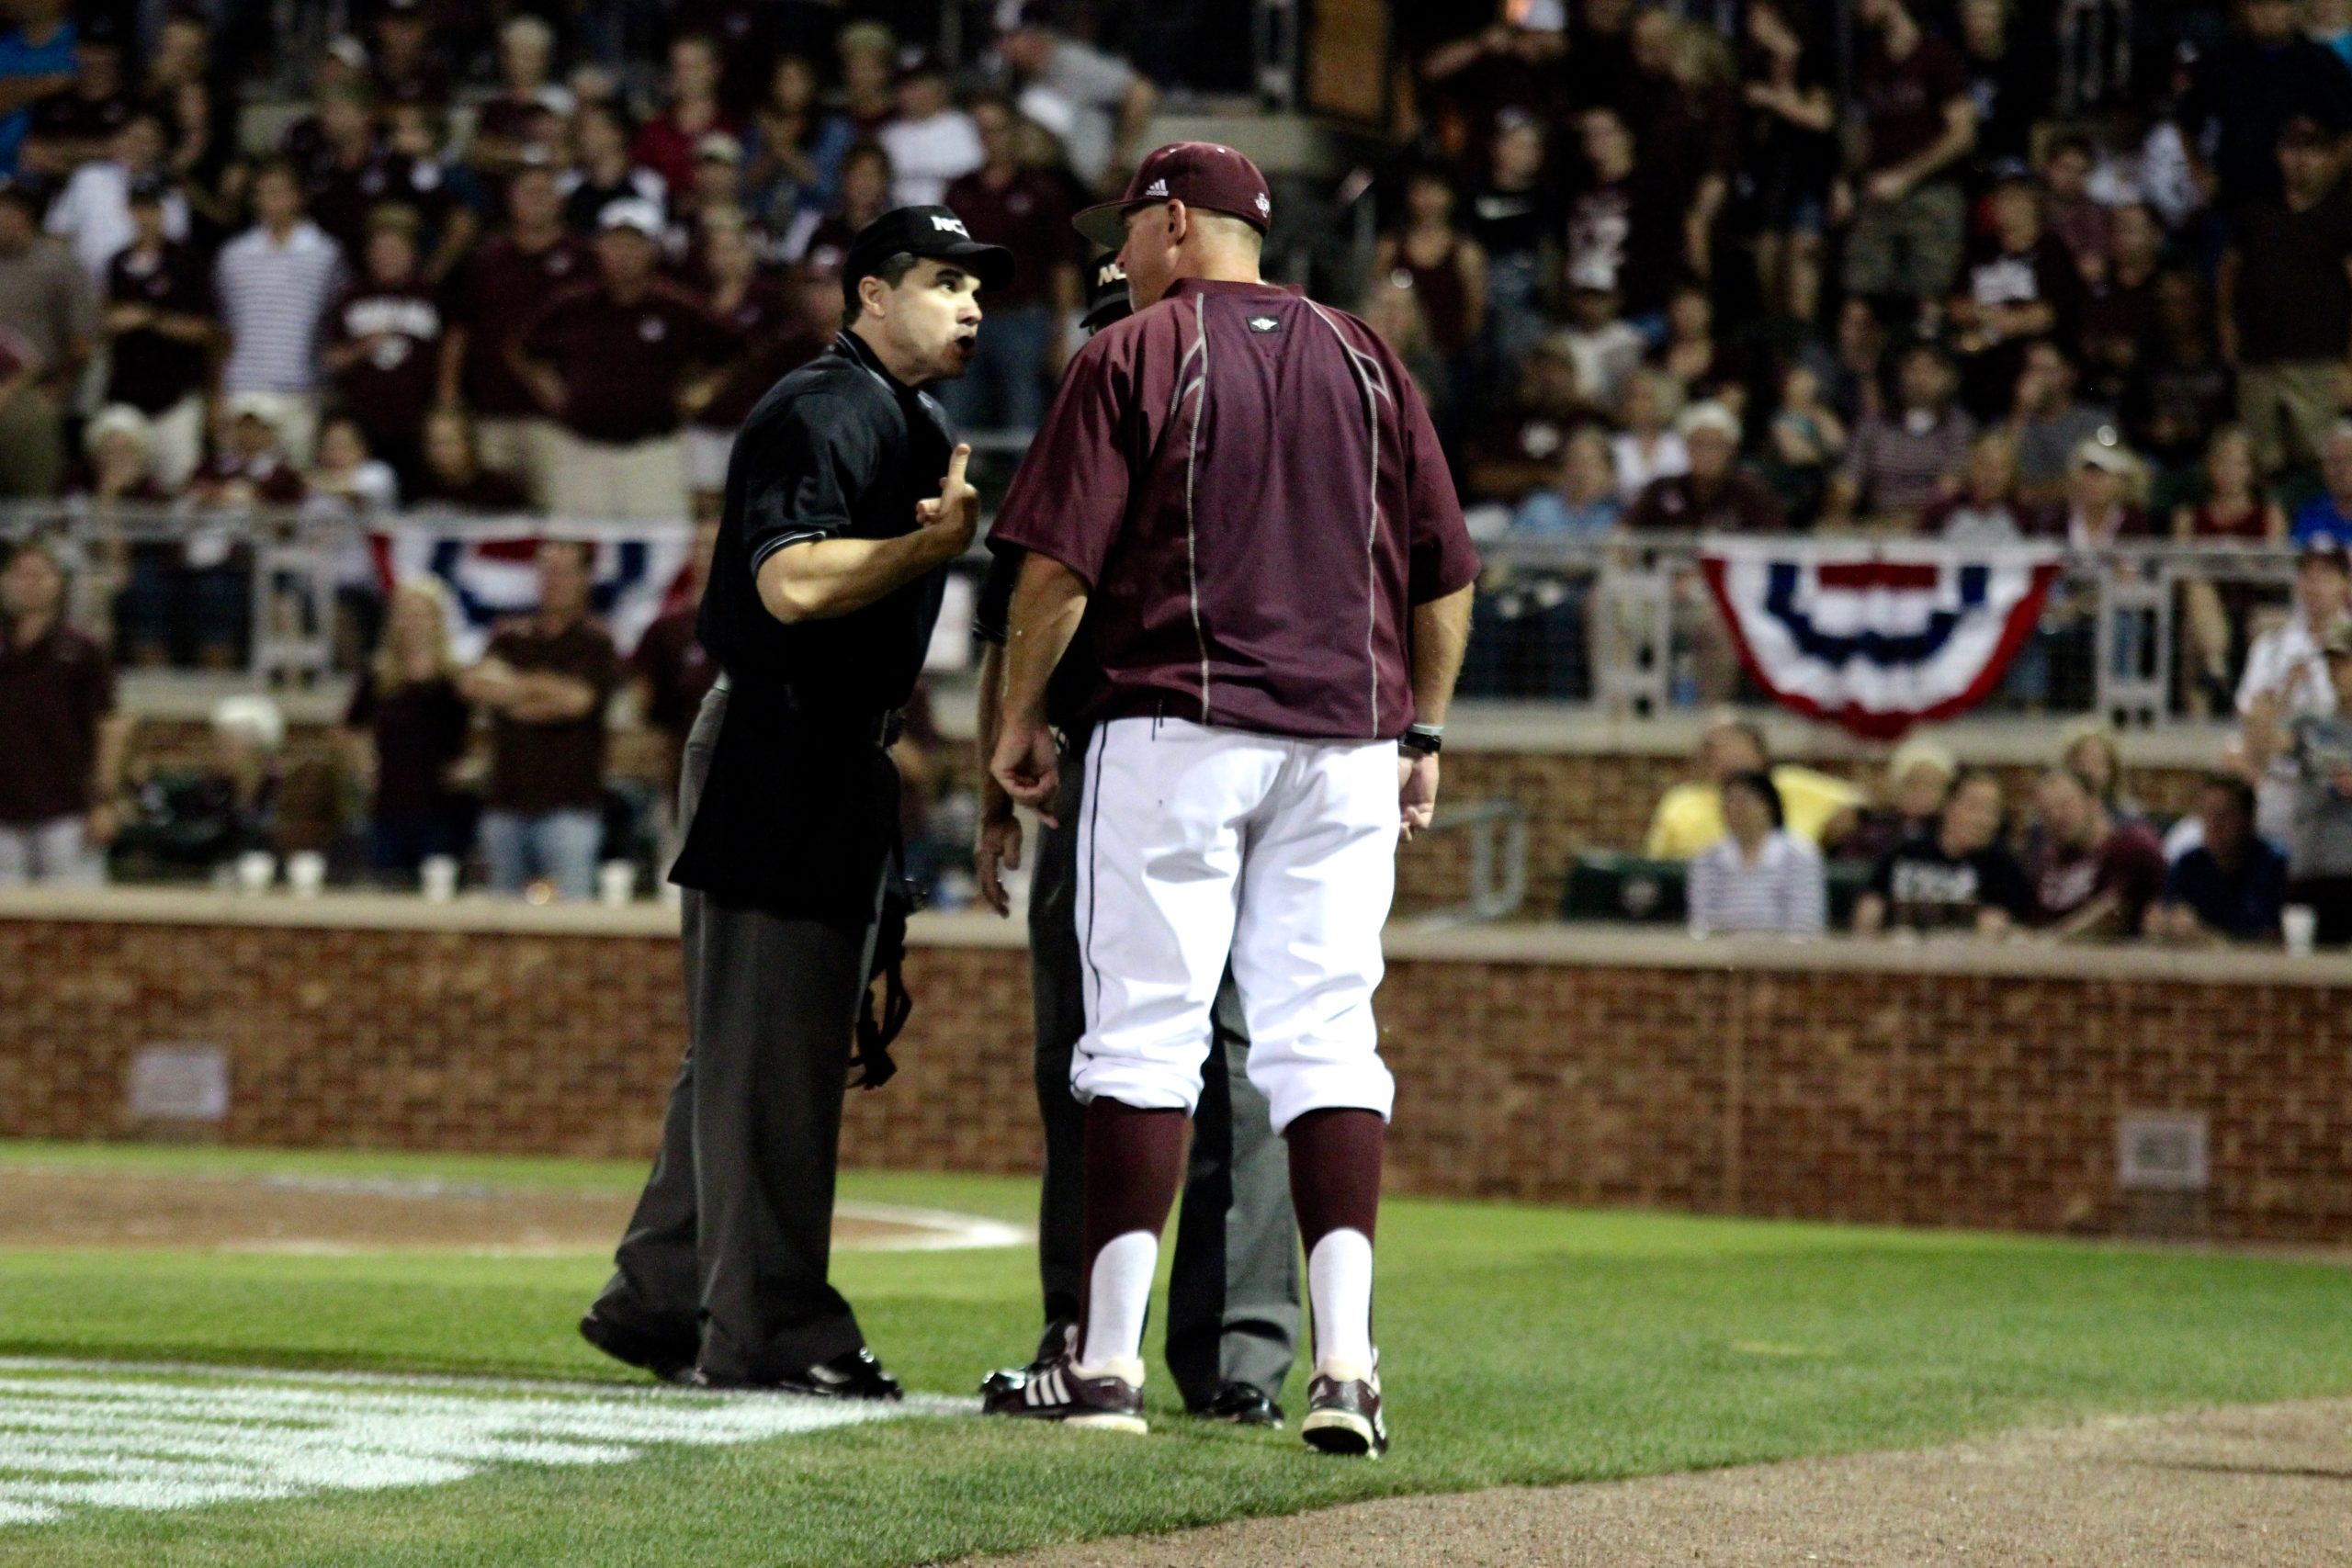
[(880, 729)]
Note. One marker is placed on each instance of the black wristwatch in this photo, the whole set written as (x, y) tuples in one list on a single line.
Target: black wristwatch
[(1423, 740)]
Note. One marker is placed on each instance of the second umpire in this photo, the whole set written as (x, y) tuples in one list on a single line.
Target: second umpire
[(822, 594), (1233, 1310)]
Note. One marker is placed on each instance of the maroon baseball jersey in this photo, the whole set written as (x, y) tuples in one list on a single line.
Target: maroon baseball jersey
[(1248, 484)]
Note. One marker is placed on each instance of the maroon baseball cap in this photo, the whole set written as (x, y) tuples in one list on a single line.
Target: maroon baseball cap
[(1198, 174)]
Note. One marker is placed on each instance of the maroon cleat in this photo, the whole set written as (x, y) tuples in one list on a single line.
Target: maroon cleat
[(1343, 1415), (1059, 1393)]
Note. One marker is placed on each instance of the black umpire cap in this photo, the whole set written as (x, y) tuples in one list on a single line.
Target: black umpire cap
[(932, 231), (1106, 296)]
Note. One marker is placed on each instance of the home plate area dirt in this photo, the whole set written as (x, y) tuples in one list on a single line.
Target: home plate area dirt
[(43, 1207), (2267, 1487)]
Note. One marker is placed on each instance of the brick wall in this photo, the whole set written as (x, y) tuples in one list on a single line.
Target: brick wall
[(1841, 1090)]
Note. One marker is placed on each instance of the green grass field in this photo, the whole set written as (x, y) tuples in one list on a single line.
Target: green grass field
[(1520, 1344)]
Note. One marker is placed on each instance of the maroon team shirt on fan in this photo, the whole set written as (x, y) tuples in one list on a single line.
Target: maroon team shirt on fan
[(495, 291), (1248, 484), (1029, 215), (773, 340), (2127, 863), (621, 363), (390, 388)]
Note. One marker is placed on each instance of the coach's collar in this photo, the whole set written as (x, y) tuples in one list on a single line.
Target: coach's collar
[(1185, 286)]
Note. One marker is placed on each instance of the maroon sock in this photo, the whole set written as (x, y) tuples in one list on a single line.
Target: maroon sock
[(1135, 1162), (1335, 1171)]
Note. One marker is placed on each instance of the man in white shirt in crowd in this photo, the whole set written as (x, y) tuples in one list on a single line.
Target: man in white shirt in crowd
[(932, 143), (2286, 677), (1105, 103), (274, 284), (91, 214)]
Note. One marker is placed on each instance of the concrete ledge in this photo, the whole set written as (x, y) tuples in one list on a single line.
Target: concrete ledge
[(1584, 946)]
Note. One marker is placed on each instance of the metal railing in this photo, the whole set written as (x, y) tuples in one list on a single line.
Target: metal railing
[(1618, 625), (1622, 625)]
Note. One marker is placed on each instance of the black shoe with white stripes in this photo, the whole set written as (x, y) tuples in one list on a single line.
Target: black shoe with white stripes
[(1343, 1413), (1059, 1339), (1059, 1393)]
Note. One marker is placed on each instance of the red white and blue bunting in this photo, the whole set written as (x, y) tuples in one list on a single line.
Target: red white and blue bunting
[(639, 570), (1877, 636)]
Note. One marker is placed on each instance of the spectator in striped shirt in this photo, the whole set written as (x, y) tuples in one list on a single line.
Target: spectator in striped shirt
[(1760, 879), (1902, 462), (276, 283)]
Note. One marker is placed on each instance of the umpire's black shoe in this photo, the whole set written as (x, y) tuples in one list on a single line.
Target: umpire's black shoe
[(1059, 1339), (669, 1361), (855, 1374), (1242, 1405)]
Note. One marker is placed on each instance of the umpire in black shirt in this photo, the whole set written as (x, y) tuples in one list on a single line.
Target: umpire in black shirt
[(825, 582)]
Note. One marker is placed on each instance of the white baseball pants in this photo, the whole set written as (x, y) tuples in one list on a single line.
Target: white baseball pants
[(1197, 842)]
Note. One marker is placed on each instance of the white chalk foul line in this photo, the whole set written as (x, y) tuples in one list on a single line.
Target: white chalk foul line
[(111, 1434)]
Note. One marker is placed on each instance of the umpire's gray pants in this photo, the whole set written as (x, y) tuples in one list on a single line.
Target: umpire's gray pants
[(726, 1258), (1233, 1313)]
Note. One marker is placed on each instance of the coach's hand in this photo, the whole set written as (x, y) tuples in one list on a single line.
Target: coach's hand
[(1416, 791), (1028, 765), (955, 516), (999, 850)]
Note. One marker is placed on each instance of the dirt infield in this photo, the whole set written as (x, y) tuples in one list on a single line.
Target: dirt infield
[(43, 1207), (2259, 1486)]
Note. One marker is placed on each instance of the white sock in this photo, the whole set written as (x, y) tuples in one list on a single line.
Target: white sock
[(1118, 1292), (1338, 1283)]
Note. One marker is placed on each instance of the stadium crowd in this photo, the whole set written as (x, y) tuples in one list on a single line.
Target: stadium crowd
[(1937, 267)]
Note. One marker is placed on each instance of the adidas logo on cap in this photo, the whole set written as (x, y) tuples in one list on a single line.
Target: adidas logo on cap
[(1157, 187)]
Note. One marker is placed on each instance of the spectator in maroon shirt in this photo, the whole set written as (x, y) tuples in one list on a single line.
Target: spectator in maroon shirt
[(405, 732), (546, 680), (1688, 129), (666, 143), (383, 344), (454, 478), (525, 116), (1027, 211), (160, 327), (499, 286), (608, 362), (2092, 877), (58, 728), (251, 469), (1917, 122), (773, 335)]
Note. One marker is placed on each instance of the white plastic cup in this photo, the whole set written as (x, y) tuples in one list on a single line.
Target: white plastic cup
[(2300, 923), (306, 872), (439, 876), (256, 869), (617, 882)]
